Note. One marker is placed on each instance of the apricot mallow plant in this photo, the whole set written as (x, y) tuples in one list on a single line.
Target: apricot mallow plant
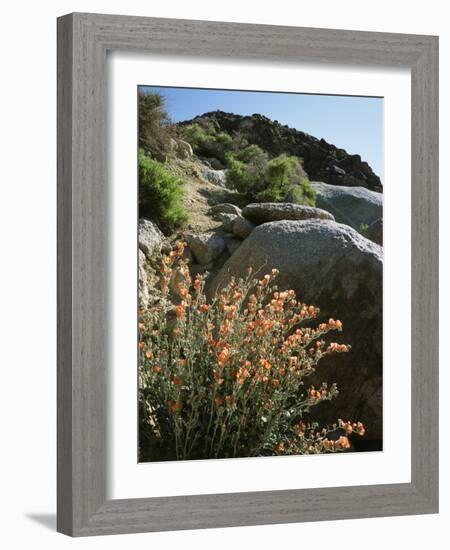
[(226, 377)]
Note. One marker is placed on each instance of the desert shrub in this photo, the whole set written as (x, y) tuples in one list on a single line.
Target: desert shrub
[(246, 171), (160, 194), (364, 229), (239, 176), (155, 130), (305, 194), (227, 378), (287, 181), (251, 153), (196, 135), (207, 141), (224, 143), (258, 179)]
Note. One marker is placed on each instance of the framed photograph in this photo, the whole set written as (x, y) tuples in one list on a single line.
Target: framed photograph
[(247, 274)]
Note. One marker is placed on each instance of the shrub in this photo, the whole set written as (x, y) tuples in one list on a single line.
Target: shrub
[(306, 194), (160, 194), (246, 171), (287, 181), (281, 179), (239, 176), (196, 135), (251, 153), (155, 131), (206, 141), (364, 229), (227, 378), (224, 143)]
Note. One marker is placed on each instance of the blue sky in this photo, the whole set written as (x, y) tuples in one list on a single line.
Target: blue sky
[(351, 123)]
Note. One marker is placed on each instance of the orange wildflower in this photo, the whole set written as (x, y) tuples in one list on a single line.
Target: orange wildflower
[(264, 363), (314, 394), (279, 448), (339, 348), (183, 291), (359, 428), (149, 354), (174, 406), (346, 426), (223, 356), (156, 368), (141, 345), (180, 311), (343, 442), (241, 375), (299, 428)]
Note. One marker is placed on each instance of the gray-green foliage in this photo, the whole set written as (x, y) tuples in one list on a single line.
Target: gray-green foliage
[(206, 141), (155, 130), (259, 179)]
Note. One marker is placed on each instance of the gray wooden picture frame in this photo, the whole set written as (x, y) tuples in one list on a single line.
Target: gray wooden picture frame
[(83, 42)]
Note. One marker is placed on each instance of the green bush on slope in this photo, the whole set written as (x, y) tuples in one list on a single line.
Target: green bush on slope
[(207, 141), (160, 194), (258, 179)]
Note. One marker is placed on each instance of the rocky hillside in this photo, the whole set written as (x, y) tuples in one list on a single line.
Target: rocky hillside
[(322, 161)]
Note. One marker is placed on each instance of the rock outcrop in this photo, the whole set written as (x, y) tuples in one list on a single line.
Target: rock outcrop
[(242, 227), (143, 284), (354, 206), (150, 237), (321, 160), (375, 231), (217, 177), (332, 267), (184, 149), (150, 240), (274, 211), (227, 221), (225, 208), (205, 247)]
